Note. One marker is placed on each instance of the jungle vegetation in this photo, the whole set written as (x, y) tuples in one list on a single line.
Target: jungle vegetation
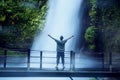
[(19, 22), (105, 18)]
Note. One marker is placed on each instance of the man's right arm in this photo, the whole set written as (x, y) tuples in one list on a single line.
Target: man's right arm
[(51, 37)]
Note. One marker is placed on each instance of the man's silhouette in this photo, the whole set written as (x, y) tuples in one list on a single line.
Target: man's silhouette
[(60, 49)]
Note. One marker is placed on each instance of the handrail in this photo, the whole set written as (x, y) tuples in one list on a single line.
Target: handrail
[(29, 56), (42, 53)]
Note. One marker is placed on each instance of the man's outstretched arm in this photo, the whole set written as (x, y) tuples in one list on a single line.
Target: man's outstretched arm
[(70, 37), (51, 37)]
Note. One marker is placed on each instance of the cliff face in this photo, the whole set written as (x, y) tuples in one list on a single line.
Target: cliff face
[(107, 23)]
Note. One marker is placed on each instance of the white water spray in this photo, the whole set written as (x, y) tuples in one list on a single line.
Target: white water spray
[(62, 19)]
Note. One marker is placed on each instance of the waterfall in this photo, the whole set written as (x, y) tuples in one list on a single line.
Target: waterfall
[(62, 19)]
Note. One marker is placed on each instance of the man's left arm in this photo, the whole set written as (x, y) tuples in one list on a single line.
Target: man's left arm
[(69, 37)]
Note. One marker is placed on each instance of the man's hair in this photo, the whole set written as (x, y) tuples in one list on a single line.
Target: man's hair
[(61, 37)]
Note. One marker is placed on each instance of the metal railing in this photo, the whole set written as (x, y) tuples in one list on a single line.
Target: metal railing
[(72, 57), (28, 55)]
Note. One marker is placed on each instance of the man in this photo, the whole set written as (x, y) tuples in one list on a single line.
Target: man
[(60, 49)]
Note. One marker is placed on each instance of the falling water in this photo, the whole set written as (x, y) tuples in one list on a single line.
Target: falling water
[(62, 19)]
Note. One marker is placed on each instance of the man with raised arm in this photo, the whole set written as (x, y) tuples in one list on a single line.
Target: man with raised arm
[(60, 49)]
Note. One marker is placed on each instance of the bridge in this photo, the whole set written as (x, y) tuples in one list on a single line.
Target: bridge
[(22, 65)]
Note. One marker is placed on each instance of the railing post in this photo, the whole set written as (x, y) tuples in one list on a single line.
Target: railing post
[(41, 59), (72, 60), (28, 59), (5, 58), (110, 61)]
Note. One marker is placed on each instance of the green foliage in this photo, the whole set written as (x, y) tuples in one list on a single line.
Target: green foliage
[(90, 31), (2, 17), (90, 37), (92, 15), (92, 46), (90, 34), (19, 22), (92, 12)]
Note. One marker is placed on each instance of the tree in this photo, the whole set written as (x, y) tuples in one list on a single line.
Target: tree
[(90, 36), (19, 21)]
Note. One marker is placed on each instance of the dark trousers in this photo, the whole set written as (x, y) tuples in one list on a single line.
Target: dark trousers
[(60, 55)]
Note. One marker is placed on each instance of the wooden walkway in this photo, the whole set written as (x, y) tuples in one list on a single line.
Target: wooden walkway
[(56, 73)]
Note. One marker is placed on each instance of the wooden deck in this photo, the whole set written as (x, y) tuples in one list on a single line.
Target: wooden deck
[(56, 73)]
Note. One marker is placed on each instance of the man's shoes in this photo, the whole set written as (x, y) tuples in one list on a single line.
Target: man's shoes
[(56, 67)]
